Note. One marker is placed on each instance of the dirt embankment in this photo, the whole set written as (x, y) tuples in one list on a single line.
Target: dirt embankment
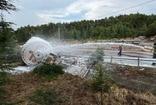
[(75, 89)]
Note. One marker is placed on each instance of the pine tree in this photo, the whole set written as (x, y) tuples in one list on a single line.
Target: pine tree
[(101, 80), (6, 42), (5, 47), (6, 5), (5, 32)]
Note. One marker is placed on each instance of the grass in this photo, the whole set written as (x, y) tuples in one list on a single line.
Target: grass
[(49, 96), (4, 79), (74, 89), (140, 81), (35, 89)]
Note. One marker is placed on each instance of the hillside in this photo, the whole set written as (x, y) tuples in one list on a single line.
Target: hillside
[(122, 26), (73, 90)]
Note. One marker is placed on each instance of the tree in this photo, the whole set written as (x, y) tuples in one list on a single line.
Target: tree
[(101, 80), (122, 26), (5, 29), (5, 45), (151, 30), (98, 29), (6, 41), (6, 5)]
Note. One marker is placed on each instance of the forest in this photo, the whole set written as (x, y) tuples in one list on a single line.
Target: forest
[(122, 26)]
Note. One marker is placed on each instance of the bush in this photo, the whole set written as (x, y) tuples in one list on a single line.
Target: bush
[(48, 96), (49, 70)]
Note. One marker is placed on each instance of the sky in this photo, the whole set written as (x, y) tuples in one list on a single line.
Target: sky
[(37, 12)]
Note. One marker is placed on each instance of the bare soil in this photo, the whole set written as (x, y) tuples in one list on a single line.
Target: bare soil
[(77, 90)]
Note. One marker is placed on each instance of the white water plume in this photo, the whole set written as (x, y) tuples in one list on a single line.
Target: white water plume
[(71, 48), (66, 48), (63, 47)]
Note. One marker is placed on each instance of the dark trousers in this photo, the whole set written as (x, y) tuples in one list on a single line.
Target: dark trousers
[(154, 57), (119, 53)]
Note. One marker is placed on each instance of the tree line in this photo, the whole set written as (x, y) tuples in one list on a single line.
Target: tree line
[(122, 26)]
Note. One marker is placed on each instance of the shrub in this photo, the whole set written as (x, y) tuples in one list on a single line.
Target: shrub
[(49, 70)]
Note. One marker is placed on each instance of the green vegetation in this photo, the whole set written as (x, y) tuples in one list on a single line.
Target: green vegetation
[(4, 79), (122, 26), (6, 45), (51, 71), (7, 42), (7, 36), (6, 5), (101, 80), (49, 96)]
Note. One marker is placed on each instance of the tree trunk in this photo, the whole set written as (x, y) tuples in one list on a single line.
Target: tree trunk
[(101, 97)]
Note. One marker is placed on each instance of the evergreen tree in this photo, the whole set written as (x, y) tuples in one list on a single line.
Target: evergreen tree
[(7, 41), (101, 80), (151, 30), (75, 35), (6, 5), (5, 46), (121, 26), (5, 31)]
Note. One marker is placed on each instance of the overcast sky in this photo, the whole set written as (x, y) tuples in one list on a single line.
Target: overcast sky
[(37, 12)]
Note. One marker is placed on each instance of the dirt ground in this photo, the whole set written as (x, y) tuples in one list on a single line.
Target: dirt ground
[(75, 89), (135, 79)]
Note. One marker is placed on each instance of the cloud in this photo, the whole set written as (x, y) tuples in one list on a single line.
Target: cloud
[(35, 12), (96, 9), (89, 8)]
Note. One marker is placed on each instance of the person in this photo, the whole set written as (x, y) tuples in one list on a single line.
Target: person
[(120, 50), (154, 52)]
